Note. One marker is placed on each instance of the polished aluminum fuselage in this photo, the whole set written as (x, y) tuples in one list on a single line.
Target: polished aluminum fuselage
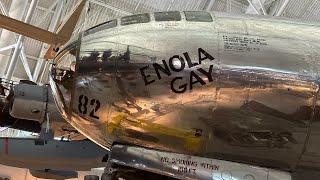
[(240, 88)]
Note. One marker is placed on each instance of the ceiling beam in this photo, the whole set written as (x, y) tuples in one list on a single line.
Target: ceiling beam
[(110, 7), (269, 1), (47, 12), (7, 47), (27, 30), (262, 7), (252, 8), (210, 5), (17, 50), (282, 8), (44, 47)]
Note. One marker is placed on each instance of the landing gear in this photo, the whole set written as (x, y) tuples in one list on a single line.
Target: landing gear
[(91, 177)]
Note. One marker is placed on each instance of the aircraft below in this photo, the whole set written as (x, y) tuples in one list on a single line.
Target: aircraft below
[(51, 159)]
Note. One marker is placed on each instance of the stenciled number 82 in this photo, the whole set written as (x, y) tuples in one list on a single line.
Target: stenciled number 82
[(83, 106)]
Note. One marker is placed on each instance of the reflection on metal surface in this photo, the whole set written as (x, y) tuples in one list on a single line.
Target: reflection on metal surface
[(190, 87), (63, 72), (141, 131), (190, 167)]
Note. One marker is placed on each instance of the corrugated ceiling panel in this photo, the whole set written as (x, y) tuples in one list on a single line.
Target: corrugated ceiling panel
[(32, 46), (68, 6), (313, 13), (182, 5), (6, 4), (20, 72), (139, 6), (45, 3), (168, 5), (306, 9), (223, 5), (296, 8)]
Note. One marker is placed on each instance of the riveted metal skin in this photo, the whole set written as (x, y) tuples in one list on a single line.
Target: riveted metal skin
[(183, 166), (239, 88)]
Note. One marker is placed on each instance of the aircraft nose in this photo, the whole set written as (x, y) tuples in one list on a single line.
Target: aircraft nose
[(62, 75)]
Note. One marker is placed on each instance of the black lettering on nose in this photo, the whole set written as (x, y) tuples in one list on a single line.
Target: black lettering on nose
[(190, 64), (180, 59), (157, 67), (208, 74), (198, 79), (206, 55), (146, 82), (182, 88)]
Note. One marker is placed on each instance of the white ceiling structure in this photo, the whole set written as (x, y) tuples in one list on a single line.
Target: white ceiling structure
[(27, 63)]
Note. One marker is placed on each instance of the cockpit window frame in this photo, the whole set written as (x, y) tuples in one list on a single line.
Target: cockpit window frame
[(103, 26), (140, 20), (166, 16), (192, 16)]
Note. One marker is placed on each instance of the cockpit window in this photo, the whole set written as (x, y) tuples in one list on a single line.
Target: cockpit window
[(198, 16), (167, 16), (100, 27), (135, 19)]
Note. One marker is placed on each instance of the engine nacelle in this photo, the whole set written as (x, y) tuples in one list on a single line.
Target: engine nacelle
[(33, 102)]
